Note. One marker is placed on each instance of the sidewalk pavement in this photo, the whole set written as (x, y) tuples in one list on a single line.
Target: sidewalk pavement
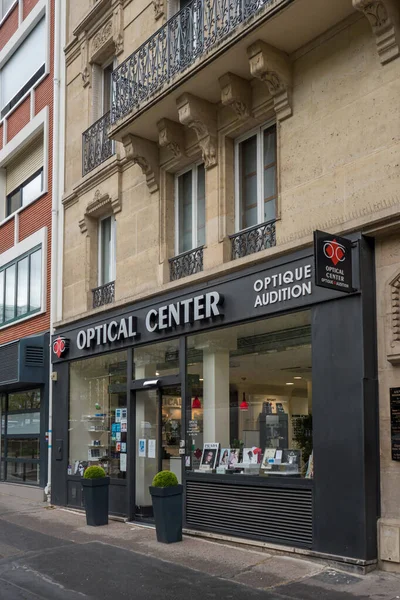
[(50, 553)]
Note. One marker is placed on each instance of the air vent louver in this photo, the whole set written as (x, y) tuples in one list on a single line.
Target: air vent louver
[(34, 356), (279, 515), (9, 363)]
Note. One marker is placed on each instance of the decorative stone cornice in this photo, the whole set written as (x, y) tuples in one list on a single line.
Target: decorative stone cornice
[(392, 311), (158, 9), (201, 116), (171, 135), (102, 204), (274, 68), (144, 153), (384, 18), (101, 38), (236, 93)]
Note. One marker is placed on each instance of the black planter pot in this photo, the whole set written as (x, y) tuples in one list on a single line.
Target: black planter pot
[(167, 507), (95, 493)]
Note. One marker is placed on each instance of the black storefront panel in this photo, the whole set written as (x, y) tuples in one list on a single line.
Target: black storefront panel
[(337, 511), (24, 372)]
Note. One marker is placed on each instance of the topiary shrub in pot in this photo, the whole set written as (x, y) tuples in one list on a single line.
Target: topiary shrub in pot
[(166, 494), (95, 492)]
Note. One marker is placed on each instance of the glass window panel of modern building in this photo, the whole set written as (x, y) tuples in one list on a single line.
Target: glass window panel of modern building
[(20, 436), (21, 287), (190, 209), (256, 178), (97, 414), (251, 398), (24, 68)]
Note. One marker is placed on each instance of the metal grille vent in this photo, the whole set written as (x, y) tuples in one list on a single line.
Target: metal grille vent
[(34, 356), (9, 363), (280, 515)]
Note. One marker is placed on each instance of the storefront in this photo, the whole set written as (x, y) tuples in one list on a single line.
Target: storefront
[(257, 389), (24, 375)]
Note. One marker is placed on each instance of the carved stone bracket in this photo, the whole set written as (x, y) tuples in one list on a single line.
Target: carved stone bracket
[(145, 154), (171, 135), (274, 68), (85, 67), (158, 9), (201, 116), (384, 18), (101, 205), (236, 93)]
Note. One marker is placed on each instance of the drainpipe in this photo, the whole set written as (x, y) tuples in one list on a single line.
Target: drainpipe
[(57, 189)]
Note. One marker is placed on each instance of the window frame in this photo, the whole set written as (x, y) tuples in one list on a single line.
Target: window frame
[(20, 189), (4, 13), (100, 283), (195, 240), (104, 68), (3, 268), (40, 11), (259, 133)]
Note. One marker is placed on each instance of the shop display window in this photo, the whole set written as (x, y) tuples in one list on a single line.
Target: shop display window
[(20, 436), (250, 408), (156, 360), (98, 415)]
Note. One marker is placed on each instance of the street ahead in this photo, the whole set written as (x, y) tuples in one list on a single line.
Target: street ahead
[(51, 554)]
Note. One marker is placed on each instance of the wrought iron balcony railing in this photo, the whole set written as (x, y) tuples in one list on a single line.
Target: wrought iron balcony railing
[(97, 146), (254, 239), (191, 33), (104, 294), (187, 263)]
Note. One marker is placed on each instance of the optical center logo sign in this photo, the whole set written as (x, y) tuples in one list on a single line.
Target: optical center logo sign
[(333, 262), (60, 346)]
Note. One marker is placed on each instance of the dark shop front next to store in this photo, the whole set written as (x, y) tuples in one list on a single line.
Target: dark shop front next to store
[(258, 390)]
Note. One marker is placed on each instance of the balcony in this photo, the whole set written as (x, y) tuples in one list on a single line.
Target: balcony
[(171, 62), (104, 294), (185, 264), (97, 146), (252, 240)]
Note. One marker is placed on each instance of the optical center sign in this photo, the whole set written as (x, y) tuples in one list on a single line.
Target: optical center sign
[(333, 262)]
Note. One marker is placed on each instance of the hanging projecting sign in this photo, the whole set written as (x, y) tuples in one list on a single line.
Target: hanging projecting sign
[(333, 265)]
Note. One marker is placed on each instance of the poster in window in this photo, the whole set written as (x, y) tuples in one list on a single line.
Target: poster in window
[(224, 457), (209, 456)]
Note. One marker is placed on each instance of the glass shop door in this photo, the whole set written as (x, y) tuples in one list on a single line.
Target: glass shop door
[(158, 417)]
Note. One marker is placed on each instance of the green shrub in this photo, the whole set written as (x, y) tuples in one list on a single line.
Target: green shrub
[(165, 479), (94, 473)]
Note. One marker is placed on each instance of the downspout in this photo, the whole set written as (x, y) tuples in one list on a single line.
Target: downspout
[(56, 191)]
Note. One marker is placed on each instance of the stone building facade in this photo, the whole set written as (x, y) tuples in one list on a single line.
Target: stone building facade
[(281, 116)]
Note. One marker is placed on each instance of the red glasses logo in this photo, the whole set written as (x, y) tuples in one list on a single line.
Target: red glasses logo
[(60, 346), (334, 251)]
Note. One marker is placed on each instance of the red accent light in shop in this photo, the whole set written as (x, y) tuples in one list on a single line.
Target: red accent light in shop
[(196, 402), (244, 405)]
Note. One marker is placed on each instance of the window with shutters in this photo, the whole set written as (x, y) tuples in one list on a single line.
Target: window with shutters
[(25, 67), (106, 257), (24, 177), (255, 172), (190, 209)]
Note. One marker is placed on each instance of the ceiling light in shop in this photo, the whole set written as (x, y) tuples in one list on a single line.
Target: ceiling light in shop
[(297, 377), (289, 383), (201, 379)]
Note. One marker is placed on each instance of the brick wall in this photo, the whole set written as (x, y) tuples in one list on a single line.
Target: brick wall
[(27, 7), (18, 119), (38, 214), (9, 27), (7, 236)]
